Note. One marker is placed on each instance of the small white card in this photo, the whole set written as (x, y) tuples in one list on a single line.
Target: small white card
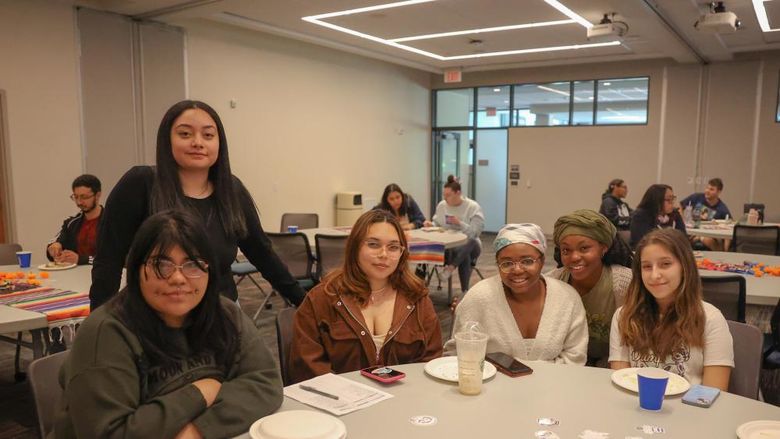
[(351, 394)]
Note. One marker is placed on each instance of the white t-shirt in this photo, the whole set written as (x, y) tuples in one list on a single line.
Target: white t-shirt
[(718, 349)]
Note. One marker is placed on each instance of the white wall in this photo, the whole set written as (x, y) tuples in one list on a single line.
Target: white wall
[(311, 121), (38, 72)]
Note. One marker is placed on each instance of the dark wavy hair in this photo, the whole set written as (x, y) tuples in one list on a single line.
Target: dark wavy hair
[(167, 192), (87, 181), (384, 204), (351, 280), (617, 182), (653, 199), (208, 328), (640, 326)]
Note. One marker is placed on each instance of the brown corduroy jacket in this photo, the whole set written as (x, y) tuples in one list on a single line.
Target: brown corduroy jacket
[(330, 335)]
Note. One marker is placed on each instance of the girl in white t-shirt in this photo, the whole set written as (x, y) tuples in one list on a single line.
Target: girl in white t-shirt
[(664, 322)]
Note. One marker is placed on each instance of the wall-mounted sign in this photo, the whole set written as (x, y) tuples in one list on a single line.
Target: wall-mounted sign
[(482, 162), (452, 76), (514, 176)]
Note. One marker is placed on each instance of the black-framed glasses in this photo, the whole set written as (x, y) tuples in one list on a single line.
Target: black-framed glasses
[(523, 264), (190, 269), (75, 197)]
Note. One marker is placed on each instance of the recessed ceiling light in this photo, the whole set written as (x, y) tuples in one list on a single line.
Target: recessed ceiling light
[(552, 90), (763, 20), (497, 90), (506, 101), (317, 19), (483, 30), (590, 97), (607, 84)]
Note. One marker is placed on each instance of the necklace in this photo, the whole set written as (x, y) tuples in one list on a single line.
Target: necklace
[(374, 294)]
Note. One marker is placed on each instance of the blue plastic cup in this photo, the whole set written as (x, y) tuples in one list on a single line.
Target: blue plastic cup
[(24, 259), (652, 387), (292, 229)]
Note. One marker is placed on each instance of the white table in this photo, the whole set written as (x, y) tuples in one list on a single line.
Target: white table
[(717, 229), (760, 290), (14, 320), (580, 398), (449, 238)]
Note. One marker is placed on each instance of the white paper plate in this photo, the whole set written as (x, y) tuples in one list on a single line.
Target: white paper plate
[(627, 379), (446, 368), (298, 424), (759, 430), (432, 229), (58, 267)]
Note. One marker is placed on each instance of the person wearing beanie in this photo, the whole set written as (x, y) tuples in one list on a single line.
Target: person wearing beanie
[(593, 261), (526, 315)]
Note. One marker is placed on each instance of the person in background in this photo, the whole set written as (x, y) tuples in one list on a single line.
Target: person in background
[(612, 205), (655, 211), (373, 311), (457, 212), (168, 356), (526, 315), (664, 322), (76, 243), (403, 206), (192, 172), (593, 261), (709, 204)]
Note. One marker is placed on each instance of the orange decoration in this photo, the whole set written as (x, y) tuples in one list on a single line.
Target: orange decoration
[(43, 275)]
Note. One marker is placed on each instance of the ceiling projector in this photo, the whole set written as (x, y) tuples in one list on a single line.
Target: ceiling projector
[(607, 31), (718, 20)]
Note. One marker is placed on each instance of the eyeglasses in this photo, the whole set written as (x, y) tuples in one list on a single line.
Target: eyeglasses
[(393, 251), (75, 197), (190, 269), (523, 264)]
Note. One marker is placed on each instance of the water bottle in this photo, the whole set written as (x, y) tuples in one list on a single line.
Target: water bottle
[(697, 215), (688, 215)]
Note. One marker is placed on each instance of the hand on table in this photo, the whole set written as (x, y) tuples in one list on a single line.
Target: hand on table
[(427, 223), (67, 257), (209, 388), (54, 249)]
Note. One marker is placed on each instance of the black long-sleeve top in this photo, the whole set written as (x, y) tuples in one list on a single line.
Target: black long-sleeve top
[(643, 223), (128, 206)]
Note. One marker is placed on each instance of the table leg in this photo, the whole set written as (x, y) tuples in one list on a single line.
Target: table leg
[(38, 343)]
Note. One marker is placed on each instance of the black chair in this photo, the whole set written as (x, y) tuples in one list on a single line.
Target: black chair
[(762, 240), (727, 293), (44, 383), (302, 220), (330, 252), (294, 250), (744, 379), (284, 334), (772, 342), (245, 270)]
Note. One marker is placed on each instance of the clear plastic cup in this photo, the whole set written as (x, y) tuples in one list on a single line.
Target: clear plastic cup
[(471, 346)]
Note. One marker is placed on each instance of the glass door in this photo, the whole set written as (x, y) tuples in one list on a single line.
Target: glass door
[(453, 155)]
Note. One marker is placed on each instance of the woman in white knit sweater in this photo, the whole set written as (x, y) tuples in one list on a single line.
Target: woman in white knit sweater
[(525, 314)]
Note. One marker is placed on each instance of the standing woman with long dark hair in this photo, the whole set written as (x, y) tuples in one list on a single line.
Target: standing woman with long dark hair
[(655, 211), (193, 173)]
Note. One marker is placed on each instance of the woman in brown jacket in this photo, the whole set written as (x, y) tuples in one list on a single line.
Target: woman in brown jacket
[(373, 311)]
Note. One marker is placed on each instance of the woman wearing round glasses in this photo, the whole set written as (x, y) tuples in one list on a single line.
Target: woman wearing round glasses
[(168, 356), (655, 211), (373, 311), (525, 314)]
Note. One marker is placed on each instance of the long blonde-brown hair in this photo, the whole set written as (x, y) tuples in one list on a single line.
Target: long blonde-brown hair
[(351, 280), (640, 325)]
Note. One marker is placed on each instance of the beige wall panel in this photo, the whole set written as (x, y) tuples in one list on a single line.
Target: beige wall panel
[(678, 164), (39, 76), (163, 79), (728, 140), (309, 121), (767, 173), (107, 88)]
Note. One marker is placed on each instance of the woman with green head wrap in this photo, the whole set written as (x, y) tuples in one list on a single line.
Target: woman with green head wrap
[(593, 260)]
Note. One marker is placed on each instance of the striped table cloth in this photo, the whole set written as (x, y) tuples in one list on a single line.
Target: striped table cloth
[(426, 252), (61, 307)]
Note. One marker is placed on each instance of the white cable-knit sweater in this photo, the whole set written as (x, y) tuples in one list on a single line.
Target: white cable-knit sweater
[(562, 336)]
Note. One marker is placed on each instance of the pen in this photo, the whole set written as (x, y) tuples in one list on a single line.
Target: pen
[(317, 391)]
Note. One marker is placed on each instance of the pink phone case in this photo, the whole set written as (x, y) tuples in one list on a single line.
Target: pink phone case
[(397, 375)]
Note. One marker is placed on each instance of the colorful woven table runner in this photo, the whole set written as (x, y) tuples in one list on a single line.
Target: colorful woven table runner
[(62, 307)]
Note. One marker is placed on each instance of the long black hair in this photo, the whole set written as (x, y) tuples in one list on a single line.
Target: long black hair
[(653, 199), (167, 192), (208, 328), (384, 205)]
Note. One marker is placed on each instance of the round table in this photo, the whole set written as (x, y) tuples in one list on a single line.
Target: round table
[(449, 238), (763, 290), (580, 398), (716, 229)]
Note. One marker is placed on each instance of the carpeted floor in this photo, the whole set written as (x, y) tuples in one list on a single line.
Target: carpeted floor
[(17, 414)]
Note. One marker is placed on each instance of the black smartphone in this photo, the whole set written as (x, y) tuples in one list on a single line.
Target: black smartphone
[(508, 365)]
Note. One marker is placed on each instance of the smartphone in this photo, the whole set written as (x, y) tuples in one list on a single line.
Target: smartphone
[(448, 219), (508, 365), (701, 396), (383, 374)]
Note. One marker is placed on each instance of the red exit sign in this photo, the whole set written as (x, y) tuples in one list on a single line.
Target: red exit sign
[(452, 76)]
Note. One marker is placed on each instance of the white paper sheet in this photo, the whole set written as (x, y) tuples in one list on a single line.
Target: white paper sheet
[(352, 395)]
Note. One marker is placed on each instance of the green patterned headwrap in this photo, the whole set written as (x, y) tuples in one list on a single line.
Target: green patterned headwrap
[(585, 222)]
